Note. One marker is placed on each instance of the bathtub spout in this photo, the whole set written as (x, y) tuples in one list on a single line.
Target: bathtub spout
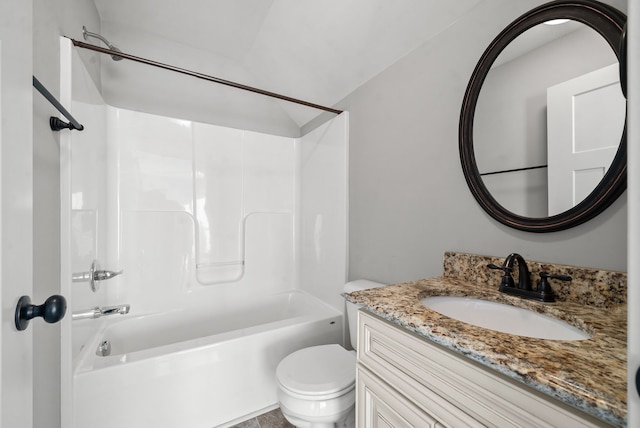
[(101, 311), (111, 310)]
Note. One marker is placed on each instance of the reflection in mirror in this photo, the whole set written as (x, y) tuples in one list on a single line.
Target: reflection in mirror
[(514, 123)]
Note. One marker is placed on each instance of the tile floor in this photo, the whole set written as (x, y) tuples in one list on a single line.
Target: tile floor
[(272, 419)]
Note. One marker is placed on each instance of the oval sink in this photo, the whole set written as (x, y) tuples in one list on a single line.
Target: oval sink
[(504, 318)]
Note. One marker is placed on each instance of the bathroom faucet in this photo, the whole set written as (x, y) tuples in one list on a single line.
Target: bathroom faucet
[(101, 311), (524, 277), (543, 291)]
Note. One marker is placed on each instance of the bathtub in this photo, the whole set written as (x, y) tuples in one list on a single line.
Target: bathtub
[(196, 369)]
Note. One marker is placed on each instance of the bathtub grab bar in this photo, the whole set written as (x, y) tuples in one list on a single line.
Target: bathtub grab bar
[(101, 311)]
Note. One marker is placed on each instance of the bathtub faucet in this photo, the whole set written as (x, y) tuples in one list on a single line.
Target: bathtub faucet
[(95, 275), (101, 311), (101, 275)]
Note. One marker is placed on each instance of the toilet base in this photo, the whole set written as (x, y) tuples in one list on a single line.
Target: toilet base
[(346, 421)]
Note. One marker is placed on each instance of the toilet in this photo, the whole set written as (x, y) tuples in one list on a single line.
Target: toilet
[(316, 385)]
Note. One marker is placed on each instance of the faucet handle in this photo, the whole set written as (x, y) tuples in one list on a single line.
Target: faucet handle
[(544, 288), (507, 279), (560, 277)]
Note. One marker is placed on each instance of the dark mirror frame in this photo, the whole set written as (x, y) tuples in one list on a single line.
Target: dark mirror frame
[(609, 23)]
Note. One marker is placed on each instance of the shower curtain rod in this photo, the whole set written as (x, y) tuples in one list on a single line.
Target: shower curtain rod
[(201, 76)]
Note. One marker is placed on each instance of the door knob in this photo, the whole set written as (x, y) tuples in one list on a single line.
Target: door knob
[(52, 310)]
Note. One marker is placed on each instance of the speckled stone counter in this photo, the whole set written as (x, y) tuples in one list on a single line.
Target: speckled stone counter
[(587, 374), (593, 287)]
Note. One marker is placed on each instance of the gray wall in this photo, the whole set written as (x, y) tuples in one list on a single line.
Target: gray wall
[(409, 201)]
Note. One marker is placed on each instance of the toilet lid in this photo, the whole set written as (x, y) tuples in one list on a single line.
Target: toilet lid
[(318, 370)]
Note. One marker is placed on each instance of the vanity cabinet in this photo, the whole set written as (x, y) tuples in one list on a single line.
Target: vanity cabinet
[(405, 380)]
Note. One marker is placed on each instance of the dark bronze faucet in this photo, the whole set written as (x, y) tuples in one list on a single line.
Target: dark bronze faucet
[(524, 277), (543, 291)]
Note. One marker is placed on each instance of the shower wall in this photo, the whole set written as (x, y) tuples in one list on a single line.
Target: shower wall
[(196, 214), (208, 212), (202, 211)]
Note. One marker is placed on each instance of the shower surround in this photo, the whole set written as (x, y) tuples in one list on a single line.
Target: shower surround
[(206, 221)]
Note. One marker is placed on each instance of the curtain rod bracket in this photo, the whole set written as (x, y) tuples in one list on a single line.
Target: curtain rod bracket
[(57, 124)]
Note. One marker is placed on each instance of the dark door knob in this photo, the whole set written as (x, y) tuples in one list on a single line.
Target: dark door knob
[(52, 310)]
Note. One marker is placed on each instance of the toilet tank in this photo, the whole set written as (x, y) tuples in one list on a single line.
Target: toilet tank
[(352, 308)]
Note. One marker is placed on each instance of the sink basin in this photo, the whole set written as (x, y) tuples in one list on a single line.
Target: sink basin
[(504, 318)]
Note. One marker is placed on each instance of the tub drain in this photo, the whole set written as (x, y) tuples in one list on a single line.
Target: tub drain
[(104, 349)]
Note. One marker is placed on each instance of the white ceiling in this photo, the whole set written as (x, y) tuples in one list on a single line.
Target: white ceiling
[(318, 51)]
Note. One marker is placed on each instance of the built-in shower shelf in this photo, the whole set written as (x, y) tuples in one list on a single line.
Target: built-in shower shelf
[(219, 272)]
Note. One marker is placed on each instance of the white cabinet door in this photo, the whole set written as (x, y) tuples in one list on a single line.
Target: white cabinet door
[(585, 120), (455, 390), (380, 406)]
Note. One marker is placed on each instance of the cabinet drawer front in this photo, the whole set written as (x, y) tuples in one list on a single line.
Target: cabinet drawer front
[(457, 391), (382, 407)]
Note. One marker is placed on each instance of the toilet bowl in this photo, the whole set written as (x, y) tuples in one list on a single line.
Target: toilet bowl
[(316, 385)]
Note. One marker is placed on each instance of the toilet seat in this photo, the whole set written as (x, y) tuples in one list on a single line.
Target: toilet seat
[(318, 372)]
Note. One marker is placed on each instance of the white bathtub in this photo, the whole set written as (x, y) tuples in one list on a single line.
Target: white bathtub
[(195, 369)]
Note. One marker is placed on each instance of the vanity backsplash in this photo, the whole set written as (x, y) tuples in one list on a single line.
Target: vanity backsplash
[(595, 287)]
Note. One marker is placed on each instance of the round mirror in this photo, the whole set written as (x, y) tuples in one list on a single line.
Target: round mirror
[(542, 127)]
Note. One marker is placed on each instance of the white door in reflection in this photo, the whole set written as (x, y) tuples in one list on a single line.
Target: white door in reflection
[(585, 118)]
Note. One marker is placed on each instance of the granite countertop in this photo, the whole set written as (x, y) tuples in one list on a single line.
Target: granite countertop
[(590, 375)]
